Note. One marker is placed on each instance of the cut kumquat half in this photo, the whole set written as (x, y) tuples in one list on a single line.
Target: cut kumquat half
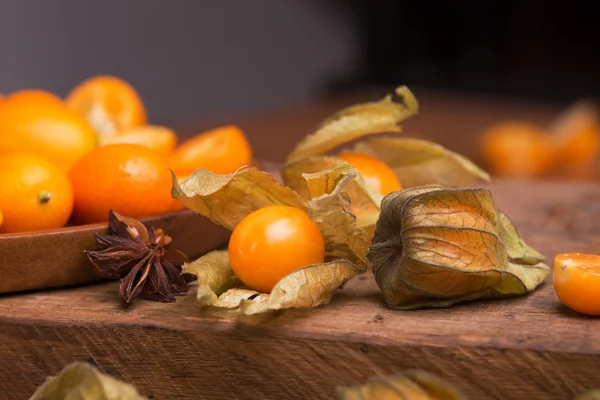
[(222, 151), (108, 103), (160, 139), (577, 281)]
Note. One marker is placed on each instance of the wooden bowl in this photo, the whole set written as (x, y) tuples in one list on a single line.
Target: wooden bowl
[(55, 258)]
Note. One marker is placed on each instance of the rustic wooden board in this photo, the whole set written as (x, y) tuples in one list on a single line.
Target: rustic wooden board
[(55, 258), (523, 348)]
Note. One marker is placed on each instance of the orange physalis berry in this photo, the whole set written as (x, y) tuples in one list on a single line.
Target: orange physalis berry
[(272, 242)]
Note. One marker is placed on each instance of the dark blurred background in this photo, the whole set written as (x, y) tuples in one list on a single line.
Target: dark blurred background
[(192, 58)]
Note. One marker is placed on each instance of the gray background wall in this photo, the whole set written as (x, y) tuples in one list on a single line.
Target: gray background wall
[(188, 58)]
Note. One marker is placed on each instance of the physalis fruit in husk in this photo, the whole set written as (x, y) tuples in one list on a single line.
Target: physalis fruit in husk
[(435, 247), (409, 385), (414, 162), (228, 199), (82, 381)]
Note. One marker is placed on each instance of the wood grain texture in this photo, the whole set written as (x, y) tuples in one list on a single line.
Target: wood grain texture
[(523, 348)]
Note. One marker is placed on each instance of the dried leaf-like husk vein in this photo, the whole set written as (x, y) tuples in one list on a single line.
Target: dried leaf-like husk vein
[(355, 122), (310, 286), (227, 199), (435, 246), (419, 162)]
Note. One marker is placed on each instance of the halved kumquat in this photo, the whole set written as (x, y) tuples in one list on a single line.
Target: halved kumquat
[(108, 103), (222, 151), (577, 281), (160, 139)]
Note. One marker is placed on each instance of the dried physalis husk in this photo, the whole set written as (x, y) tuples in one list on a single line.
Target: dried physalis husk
[(365, 201), (435, 247), (415, 162), (83, 381), (307, 287), (410, 385), (227, 199), (589, 395), (355, 122), (420, 162)]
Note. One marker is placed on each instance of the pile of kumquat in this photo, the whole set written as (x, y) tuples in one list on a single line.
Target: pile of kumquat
[(72, 160)]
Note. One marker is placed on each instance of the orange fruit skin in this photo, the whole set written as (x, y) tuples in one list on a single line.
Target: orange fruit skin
[(576, 135), (222, 151), (518, 149), (577, 282), (160, 139), (377, 173), (108, 103), (55, 133), (34, 97), (127, 178), (272, 242), (23, 180)]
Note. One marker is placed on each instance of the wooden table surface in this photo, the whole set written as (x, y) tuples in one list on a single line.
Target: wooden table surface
[(523, 348)]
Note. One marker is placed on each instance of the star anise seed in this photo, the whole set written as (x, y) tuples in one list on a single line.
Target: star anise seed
[(137, 255)]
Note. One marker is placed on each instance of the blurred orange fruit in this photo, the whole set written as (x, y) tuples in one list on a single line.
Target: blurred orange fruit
[(34, 97), (108, 103), (1, 217), (518, 149), (56, 133), (222, 151), (35, 194), (576, 135), (127, 178), (1, 99), (158, 138), (377, 173)]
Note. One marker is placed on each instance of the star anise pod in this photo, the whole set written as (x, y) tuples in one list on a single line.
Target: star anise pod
[(137, 255)]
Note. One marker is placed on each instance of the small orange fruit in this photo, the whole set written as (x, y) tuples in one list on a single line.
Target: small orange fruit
[(272, 242), (158, 138), (222, 151), (34, 194), (34, 97), (108, 103), (377, 173), (576, 135), (127, 178), (56, 133), (577, 281), (518, 149)]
